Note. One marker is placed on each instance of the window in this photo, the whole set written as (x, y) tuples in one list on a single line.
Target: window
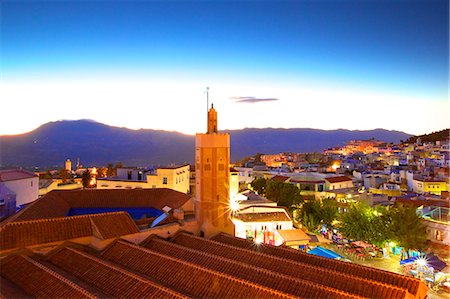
[(439, 235), (221, 167), (129, 175), (31, 183), (164, 180)]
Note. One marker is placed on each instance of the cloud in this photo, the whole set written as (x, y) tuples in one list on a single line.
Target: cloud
[(252, 100)]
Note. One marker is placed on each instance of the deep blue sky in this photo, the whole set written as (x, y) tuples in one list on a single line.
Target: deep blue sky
[(398, 47)]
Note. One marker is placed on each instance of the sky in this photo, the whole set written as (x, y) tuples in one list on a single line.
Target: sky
[(356, 65)]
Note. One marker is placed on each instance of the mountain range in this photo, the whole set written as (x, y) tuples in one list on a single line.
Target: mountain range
[(99, 144)]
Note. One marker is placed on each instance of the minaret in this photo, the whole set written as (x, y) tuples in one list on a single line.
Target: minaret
[(212, 159)]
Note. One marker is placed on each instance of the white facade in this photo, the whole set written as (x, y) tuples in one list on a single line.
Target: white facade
[(175, 178), (245, 174), (248, 223), (438, 232), (23, 183)]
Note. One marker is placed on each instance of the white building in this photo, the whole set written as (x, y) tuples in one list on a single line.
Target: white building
[(261, 222), (173, 177), (23, 184), (437, 220), (245, 174)]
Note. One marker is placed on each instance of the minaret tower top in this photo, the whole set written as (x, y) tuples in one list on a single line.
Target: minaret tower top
[(212, 120)]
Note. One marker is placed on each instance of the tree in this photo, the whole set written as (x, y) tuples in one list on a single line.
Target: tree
[(285, 194), (110, 170), (310, 212), (408, 229), (328, 211), (380, 226), (86, 178), (64, 174), (259, 186), (314, 213), (355, 224)]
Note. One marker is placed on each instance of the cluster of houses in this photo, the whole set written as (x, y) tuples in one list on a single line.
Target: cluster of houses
[(367, 170), (370, 171)]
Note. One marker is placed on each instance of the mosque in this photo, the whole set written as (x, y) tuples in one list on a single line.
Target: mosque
[(162, 243)]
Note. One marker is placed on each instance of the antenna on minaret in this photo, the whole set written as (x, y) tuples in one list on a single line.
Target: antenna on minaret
[(207, 98)]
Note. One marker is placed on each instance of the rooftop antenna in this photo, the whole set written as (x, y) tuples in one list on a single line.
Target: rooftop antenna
[(207, 98)]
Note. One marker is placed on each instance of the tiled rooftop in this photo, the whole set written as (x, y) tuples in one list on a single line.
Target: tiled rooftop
[(15, 174), (189, 266), (414, 286), (33, 232), (58, 203), (279, 178), (338, 179)]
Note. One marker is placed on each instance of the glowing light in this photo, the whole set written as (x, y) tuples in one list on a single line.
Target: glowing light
[(92, 182), (391, 244), (234, 205), (421, 262), (336, 165), (258, 241)]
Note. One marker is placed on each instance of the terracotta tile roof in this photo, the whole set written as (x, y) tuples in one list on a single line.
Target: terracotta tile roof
[(108, 277), (49, 206), (57, 203), (187, 266), (325, 277), (187, 278), (33, 232), (306, 181), (338, 179), (16, 174), (262, 217), (11, 290), (414, 286), (113, 225), (279, 178), (257, 275), (39, 281)]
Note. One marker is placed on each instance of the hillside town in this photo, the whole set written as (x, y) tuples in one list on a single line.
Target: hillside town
[(301, 201)]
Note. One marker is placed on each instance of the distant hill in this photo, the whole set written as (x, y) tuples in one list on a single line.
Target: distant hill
[(98, 144), (432, 137)]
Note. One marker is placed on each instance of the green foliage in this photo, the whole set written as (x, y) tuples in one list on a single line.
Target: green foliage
[(328, 211), (432, 137), (314, 213), (355, 224), (259, 186), (408, 229), (310, 212), (310, 222), (64, 174), (285, 194), (377, 226), (86, 178), (110, 171)]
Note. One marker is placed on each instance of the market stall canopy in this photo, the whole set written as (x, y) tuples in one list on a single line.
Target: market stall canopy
[(431, 259), (323, 252)]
